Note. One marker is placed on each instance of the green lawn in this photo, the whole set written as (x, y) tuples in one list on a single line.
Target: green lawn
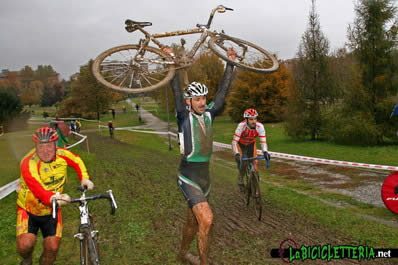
[(279, 142), (147, 226)]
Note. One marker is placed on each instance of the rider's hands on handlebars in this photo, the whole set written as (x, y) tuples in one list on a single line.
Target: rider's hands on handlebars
[(232, 54), (237, 157), (62, 199), (267, 156), (87, 183)]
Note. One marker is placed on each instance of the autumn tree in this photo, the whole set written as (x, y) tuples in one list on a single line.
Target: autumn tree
[(31, 95), (207, 69), (86, 96), (267, 93)]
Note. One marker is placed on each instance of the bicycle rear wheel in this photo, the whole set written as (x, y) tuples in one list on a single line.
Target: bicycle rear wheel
[(128, 69), (249, 56), (258, 201)]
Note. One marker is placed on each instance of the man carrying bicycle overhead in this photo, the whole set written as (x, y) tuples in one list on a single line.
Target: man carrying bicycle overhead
[(43, 175), (244, 141), (195, 122)]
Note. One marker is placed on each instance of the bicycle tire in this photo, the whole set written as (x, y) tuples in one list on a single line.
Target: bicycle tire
[(248, 189), (138, 72), (84, 256), (264, 62), (258, 201), (92, 245), (93, 251)]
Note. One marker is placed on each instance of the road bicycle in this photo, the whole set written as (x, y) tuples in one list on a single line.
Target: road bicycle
[(251, 183), (137, 68), (87, 233)]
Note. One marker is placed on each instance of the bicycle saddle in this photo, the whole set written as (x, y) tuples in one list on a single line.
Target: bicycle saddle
[(130, 22)]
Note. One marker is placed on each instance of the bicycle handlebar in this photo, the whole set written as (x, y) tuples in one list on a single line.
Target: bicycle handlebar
[(108, 196), (254, 158)]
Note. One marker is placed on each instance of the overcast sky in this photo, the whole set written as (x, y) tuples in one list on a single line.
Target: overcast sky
[(67, 33)]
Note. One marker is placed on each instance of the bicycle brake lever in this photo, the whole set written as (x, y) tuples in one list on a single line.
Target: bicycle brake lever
[(113, 202)]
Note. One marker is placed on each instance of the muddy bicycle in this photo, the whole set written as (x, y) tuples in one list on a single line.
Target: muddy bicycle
[(87, 233), (137, 68), (251, 183)]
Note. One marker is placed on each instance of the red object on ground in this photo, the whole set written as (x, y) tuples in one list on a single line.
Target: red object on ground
[(389, 192)]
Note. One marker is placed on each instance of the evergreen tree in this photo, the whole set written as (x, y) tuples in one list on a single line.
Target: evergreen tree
[(314, 90)]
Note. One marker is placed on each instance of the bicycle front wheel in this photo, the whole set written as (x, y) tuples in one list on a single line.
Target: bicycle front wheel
[(92, 244), (248, 189), (129, 69), (258, 201), (249, 56), (84, 255)]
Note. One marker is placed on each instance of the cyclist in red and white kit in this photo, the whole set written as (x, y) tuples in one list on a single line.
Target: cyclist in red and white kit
[(244, 140)]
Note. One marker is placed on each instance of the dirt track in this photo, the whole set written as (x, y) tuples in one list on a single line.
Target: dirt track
[(236, 228)]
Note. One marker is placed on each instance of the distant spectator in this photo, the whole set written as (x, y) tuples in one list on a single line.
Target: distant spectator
[(72, 126), (111, 128), (78, 126), (137, 107), (113, 113)]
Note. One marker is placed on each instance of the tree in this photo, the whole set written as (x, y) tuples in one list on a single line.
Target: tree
[(267, 93), (314, 90), (31, 95), (10, 107), (52, 93), (86, 96), (26, 76), (373, 42), (207, 69)]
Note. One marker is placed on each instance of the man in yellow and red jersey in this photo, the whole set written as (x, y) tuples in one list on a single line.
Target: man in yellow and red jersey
[(43, 175), (244, 140)]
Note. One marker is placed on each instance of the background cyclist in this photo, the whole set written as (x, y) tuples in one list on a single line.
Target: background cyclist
[(244, 141)]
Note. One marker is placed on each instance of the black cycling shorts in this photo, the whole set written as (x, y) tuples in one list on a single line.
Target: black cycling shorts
[(29, 223), (194, 182)]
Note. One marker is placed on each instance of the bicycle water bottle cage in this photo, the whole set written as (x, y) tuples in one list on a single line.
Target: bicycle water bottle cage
[(132, 25)]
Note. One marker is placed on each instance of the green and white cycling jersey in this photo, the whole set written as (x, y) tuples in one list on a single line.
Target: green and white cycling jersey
[(195, 130)]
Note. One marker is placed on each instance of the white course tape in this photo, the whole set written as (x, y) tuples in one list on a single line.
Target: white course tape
[(318, 160), (10, 187), (84, 137), (299, 158)]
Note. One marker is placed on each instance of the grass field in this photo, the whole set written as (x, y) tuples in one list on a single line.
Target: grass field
[(147, 226), (278, 141)]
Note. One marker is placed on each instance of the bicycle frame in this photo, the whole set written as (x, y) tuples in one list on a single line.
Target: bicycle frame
[(203, 29)]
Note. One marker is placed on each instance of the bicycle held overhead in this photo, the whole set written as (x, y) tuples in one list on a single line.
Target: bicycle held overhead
[(137, 68)]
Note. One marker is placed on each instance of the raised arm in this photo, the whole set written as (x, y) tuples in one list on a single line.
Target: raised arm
[(178, 98), (222, 91)]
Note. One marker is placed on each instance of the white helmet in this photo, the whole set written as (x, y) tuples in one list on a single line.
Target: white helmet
[(195, 89)]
